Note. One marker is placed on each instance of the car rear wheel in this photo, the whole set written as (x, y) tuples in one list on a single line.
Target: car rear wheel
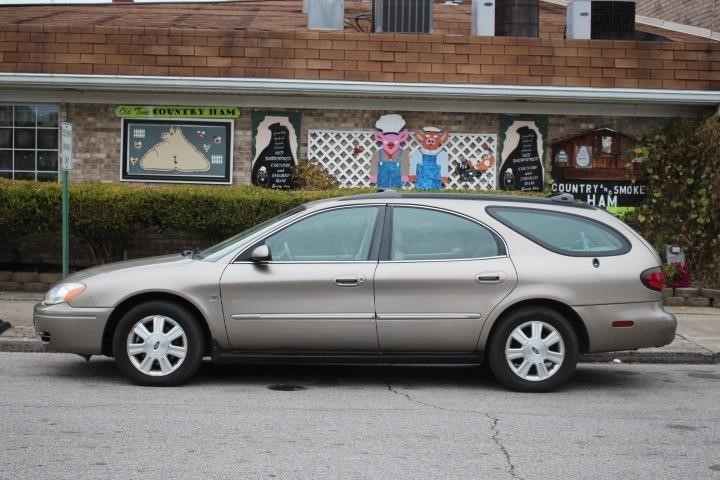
[(534, 349), (158, 343)]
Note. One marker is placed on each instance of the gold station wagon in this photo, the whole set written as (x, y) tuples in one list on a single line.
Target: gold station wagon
[(525, 284)]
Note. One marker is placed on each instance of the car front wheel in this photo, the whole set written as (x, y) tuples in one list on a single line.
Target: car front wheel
[(158, 343), (534, 349)]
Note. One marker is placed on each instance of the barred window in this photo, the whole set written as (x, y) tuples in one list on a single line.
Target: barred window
[(29, 142)]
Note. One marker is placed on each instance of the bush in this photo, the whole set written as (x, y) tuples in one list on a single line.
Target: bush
[(682, 167), (105, 216), (309, 175)]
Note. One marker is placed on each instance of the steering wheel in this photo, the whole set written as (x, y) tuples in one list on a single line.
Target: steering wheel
[(286, 253)]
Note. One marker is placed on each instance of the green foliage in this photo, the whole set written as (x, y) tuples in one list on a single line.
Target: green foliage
[(309, 175), (682, 168), (106, 216)]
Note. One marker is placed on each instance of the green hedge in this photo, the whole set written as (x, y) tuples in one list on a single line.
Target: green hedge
[(106, 216)]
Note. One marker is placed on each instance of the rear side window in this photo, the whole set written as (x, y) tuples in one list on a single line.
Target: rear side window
[(420, 234), (563, 233)]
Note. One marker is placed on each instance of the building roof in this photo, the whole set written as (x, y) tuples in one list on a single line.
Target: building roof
[(269, 39)]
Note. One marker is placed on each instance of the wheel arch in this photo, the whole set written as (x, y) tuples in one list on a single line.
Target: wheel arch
[(565, 310), (123, 307)]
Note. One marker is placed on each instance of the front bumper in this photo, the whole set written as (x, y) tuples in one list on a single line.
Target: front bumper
[(63, 328), (653, 326)]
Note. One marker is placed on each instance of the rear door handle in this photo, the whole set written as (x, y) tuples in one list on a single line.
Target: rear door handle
[(490, 277), (349, 280)]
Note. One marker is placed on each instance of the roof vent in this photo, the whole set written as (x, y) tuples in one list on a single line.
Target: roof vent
[(517, 18), (326, 14), (402, 16), (578, 19), (601, 19), (612, 19), (483, 18)]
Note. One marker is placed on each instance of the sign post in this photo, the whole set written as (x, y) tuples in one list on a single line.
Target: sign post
[(67, 147)]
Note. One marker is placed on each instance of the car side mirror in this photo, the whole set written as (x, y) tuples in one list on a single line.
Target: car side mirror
[(261, 253)]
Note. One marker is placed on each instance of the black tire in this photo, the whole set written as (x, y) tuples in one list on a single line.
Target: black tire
[(561, 371), (193, 342)]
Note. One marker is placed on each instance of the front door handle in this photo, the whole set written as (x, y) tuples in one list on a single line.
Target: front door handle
[(349, 280), (490, 277)]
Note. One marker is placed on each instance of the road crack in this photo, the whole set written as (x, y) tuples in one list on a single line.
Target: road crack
[(407, 396), (695, 343), (493, 426), (496, 438)]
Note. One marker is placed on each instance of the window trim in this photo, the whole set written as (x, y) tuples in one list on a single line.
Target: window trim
[(387, 235), (627, 245), (244, 255)]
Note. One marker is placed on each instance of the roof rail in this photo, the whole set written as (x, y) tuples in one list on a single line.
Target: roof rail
[(563, 197)]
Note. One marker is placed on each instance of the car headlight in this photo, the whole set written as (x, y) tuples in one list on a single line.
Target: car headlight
[(63, 292)]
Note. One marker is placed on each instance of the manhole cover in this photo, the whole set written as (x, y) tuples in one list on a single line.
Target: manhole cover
[(286, 388)]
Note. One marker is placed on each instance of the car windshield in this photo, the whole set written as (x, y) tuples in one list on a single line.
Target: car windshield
[(226, 246)]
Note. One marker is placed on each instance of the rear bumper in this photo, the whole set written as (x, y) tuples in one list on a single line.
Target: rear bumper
[(652, 326), (63, 328)]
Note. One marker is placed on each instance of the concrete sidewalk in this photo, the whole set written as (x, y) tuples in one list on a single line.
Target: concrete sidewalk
[(697, 339)]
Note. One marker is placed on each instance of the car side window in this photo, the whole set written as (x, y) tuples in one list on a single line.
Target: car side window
[(424, 234), (563, 233), (340, 235)]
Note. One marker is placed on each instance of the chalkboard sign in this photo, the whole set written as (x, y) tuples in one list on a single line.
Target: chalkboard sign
[(275, 148), (522, 143)]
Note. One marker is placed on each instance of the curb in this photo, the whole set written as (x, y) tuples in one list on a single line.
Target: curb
[(21, 345), (29, 345), (632, 356)]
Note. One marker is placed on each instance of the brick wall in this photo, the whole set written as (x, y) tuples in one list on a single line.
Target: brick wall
[(97, 143), (698, 13), (358, 56), (97, 133)]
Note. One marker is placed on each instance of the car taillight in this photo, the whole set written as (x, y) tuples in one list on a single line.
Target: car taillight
[(653, 278)]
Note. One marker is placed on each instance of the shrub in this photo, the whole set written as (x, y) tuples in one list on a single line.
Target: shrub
[(677, 275), (309, 175), (682, 166), (105, 216)]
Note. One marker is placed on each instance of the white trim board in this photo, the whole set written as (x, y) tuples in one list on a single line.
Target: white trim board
[(317, 94)]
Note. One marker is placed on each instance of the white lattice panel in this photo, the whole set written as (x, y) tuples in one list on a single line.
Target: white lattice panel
[(347, 154)]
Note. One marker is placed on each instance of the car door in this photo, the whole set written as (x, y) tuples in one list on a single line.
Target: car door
[(316, 291), (440, 275)]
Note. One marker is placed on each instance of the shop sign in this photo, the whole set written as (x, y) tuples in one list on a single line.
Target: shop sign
[(176, 111), (275, 148), (604, 194), (522, 153), (594, 167), (189, 151)]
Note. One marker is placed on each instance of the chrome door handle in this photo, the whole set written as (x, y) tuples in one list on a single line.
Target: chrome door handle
[(349, 280), (490, 277)]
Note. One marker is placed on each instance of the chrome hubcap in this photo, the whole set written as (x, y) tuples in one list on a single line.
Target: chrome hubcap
[(157, 345), (534, 351)]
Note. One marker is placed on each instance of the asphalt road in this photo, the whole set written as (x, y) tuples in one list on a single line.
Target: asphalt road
[(63, 418)]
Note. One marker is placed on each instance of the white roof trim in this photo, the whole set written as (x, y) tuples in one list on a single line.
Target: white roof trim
[(30, 82)]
